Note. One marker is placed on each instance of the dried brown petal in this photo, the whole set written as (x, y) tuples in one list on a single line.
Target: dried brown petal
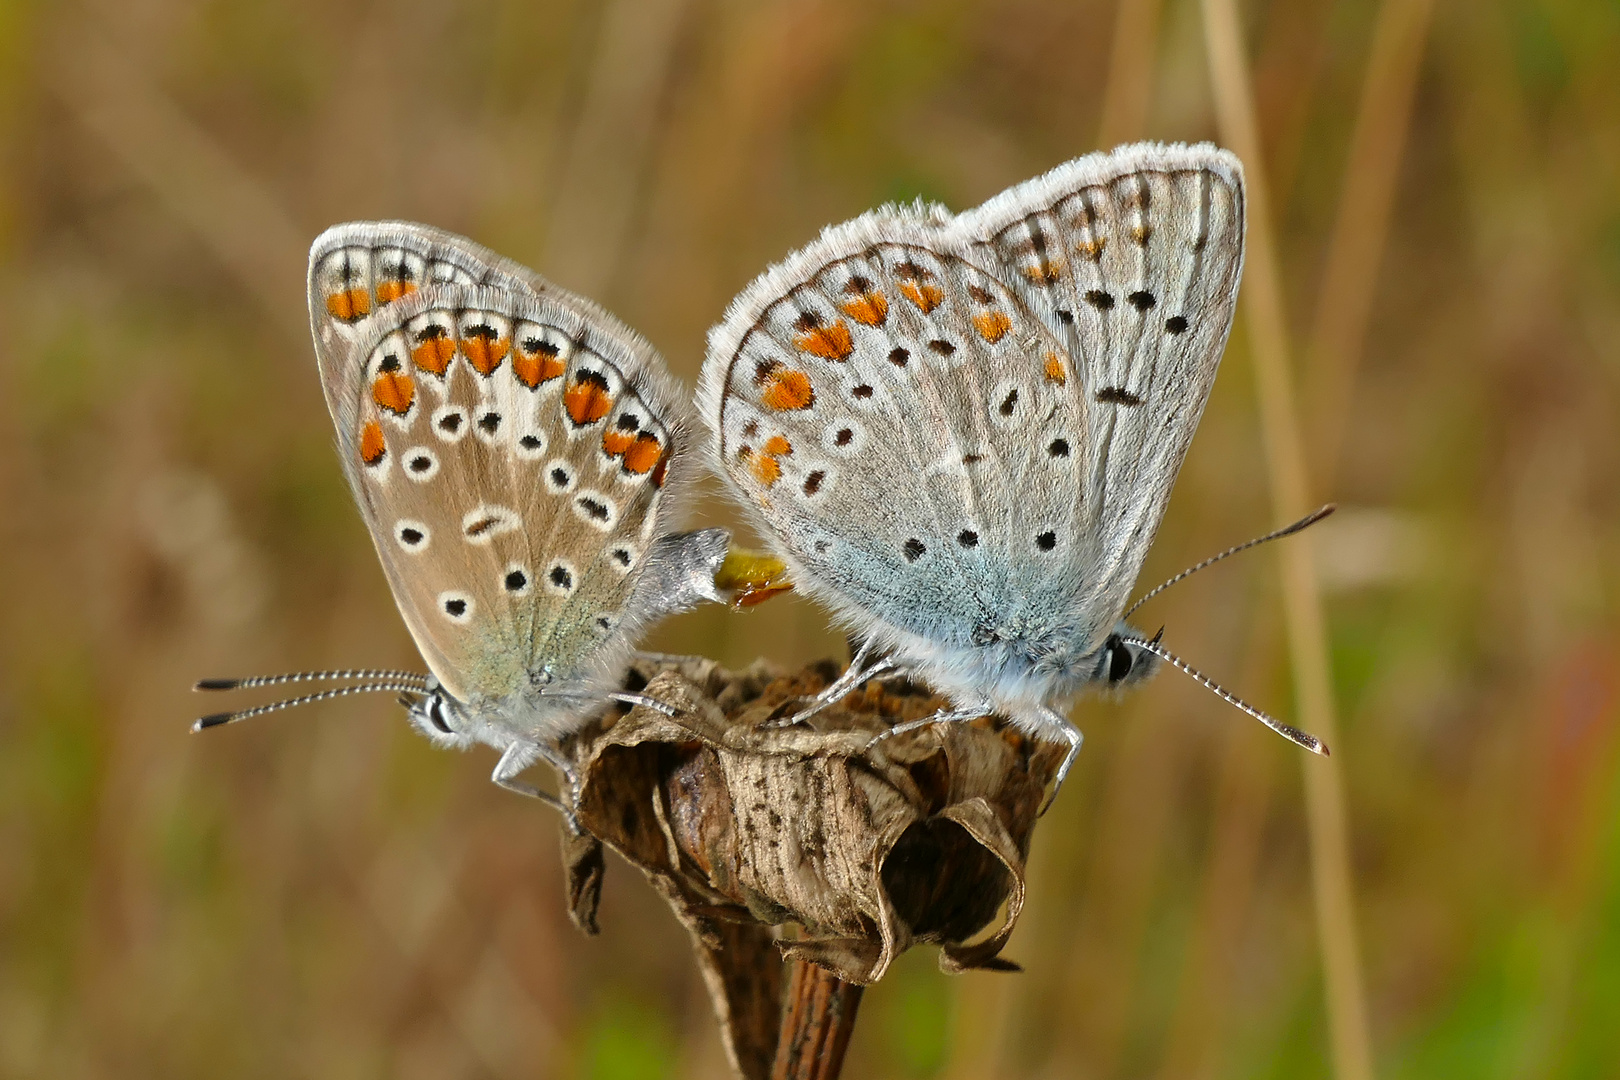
[(863, 848)]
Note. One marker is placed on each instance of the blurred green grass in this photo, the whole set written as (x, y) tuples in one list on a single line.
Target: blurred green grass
[(325, 895)]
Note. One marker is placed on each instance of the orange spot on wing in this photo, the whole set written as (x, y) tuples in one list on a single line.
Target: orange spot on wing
[(1055, 371), (349, 304), (394, 391), (869, 308), (433, 350), (485, 351), (537, 367), (992, 325), (1093, 248), (1045, 273), (587, 399), (776, 446), (616, 442), (661, 471), (764, 467), (645, 453), (389, 291), (787, 390), (828, 342), (924, 295), (372, 447)]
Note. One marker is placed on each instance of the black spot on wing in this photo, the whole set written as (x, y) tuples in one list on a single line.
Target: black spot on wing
[(1118, 395)]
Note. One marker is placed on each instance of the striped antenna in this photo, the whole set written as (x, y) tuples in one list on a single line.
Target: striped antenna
[(1293, 735), (311, 676), (308, 699), (1287, 530)]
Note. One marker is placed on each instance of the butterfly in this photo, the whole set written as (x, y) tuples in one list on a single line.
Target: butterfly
[(961, 432), (518, 456)]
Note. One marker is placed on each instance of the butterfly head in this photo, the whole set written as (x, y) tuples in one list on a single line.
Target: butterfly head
[(440, 717), (1122, 663)]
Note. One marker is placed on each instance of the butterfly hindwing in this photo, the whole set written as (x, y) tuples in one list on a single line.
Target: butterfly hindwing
[(515, 488), (513, 448), (846, 408)]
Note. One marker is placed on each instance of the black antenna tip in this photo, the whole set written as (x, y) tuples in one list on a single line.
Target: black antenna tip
[(217, 684), (212, 721), (1303, 739)]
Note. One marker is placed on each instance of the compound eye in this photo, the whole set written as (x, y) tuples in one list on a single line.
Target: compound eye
[(436, 715), (1119, 661)]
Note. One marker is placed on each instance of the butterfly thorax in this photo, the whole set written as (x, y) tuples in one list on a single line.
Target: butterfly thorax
[(1022, 670)]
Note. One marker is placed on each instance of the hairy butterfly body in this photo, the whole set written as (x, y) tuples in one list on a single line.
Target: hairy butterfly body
[(961, 432)]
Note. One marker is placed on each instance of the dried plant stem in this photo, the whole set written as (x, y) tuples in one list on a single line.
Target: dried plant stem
[(818, 1017), (1307, 634), (1361, 228), (614, 133)]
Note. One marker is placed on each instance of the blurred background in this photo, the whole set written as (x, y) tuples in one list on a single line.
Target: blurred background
[(322, 894)]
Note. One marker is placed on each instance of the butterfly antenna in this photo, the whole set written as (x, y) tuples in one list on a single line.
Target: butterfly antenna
[(311, 676), (1287, 530), (308, 699), (1293, 735)]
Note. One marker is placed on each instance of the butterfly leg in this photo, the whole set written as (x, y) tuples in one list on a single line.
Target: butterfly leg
[(518, 756), (617, 695), (959, 715), (667, 657), (642, 699), (1061, 725), (857, 672)]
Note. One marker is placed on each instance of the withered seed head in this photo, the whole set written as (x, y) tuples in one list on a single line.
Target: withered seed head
[(865, 849)]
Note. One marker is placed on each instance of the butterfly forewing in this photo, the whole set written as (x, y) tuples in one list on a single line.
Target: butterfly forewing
[(1133, 260), (513, 488), (357, 270)]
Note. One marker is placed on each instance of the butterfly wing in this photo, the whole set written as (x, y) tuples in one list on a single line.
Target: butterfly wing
[(863, 398), (513, 449), (1132, 259), (356, 270), (510, 460), (948, 459)]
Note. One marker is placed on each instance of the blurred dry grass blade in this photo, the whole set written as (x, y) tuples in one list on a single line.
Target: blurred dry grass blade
[(866, 848), (1291, 497), (231, 212), (1130, 72), (589, 222), (1361, 229)]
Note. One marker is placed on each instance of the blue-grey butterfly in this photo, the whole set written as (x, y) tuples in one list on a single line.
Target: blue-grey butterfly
[(961, 432), (518, 455)]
